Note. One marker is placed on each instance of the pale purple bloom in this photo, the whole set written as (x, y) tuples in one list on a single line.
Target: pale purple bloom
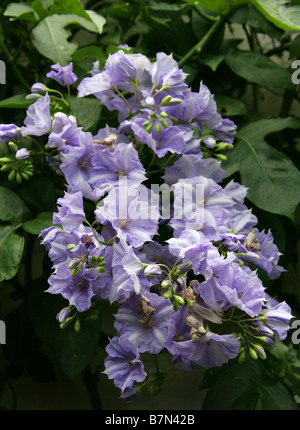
[(229, 284), (123, 363), (65, 132), (191, 246), (192, 165), (166, 74), (169, 139), (143, 320), (115, 168), (63, 75), (70, 213), (278, 317), (200, 204), (212, 350), (38, 119), (158, 253), (225, 131), (78, 290), (22, 154), (7, 132), (130, 213)]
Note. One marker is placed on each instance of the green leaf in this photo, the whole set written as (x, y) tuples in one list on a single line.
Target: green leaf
[(272, 178), (72, 350), (65, 6), (39, 191), (15, 102), (212, 61), (274, 396), (13, 209), (42, 221), (295, 48), (87, 111), (220, 7), (228, 106), (50, 36), (282, 15), (259, 69), (231, 394), (11, 251), (20, 11)]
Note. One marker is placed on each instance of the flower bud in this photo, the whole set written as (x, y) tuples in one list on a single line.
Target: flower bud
[(253, 353), (166, 101), (185, 267), (12, 146), (166, 284), (22, 154), (63, 315), (73, 263), (168, 294), (152, 271), (210, 142), (179, 300)]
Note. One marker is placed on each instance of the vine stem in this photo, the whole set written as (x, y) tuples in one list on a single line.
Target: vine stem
[(197, 49)]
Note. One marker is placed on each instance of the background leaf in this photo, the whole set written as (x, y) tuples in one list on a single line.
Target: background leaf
[(277, 11), (72, 350), (13, 209), (272, 178), (259, 69)]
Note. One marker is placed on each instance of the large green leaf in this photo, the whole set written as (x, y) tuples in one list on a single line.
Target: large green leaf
[(239, 387), (259, 69), (36, 225), (73, 350), (50, 36), (13, 209), (272, 178), (11, 250), (220, 7), (20, 11), (277, 11), (16, 102)]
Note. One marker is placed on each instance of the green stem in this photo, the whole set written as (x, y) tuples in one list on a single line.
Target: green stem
[(198, 48)]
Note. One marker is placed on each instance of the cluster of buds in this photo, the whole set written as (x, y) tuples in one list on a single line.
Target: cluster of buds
[(17, 164)]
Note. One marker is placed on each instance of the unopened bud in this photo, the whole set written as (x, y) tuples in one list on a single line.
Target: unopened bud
[(179, 300), (253, 354), (152, 271), (166, 101), (166, 284), (77, 326), (12, 146), (185, 267)]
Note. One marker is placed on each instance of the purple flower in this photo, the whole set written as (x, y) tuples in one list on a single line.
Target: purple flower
[(200, 204), (8, 132), (114, 168), (130, 214), (191, 246), (171, 139), (123, 363), (167, 75), (143, 320), (65, 132), (228, 284), (38, 119), (22, 154), (277, 317), (225, 131), (71, 213), (210, 349), (63, 75), (192, 165), (78, 290)]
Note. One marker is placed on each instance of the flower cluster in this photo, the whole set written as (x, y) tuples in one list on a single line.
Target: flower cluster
[(176, 249)]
